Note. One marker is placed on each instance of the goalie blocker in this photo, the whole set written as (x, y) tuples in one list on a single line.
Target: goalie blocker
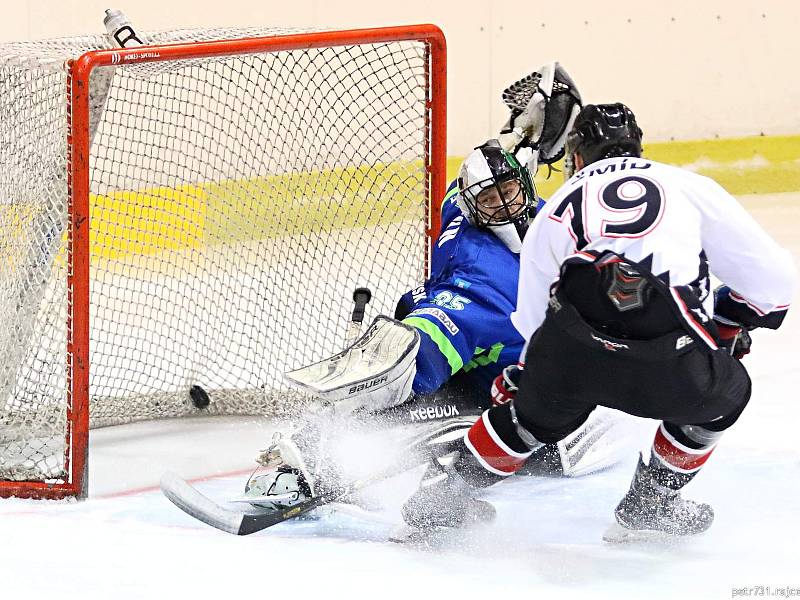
[(375, 373)]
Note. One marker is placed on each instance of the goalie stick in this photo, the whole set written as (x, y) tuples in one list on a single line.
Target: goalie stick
[(238, 521), (247, 521), (361, 297)]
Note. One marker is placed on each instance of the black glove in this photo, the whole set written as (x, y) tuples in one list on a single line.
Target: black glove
[(734, 337), (504, 386)]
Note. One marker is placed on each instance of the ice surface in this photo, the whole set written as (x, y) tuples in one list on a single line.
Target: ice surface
[(128, 541)]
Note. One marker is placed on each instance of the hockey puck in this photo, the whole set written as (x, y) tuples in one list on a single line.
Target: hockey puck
[(199, 397)]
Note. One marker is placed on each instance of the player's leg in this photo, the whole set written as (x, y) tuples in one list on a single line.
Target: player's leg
[(653, 502), (302, 463), (570, 367), (374, 373), (500, 442), (678, 453), (699, 392)]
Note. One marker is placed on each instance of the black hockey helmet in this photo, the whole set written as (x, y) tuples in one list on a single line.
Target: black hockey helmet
[(603, 131)]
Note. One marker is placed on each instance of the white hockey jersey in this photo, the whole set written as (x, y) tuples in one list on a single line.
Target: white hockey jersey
[(678, 223)]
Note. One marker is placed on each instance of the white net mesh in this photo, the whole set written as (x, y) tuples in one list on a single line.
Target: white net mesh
[(236, 202)]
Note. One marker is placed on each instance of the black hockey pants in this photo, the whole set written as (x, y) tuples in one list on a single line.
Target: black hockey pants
[(657, 370)]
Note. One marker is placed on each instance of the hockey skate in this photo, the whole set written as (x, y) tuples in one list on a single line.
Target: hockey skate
[(287, 481), (443, 501), (651, 511)]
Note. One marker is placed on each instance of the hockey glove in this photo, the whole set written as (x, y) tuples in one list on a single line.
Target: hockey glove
[(526, 127), (733, 334), (543, 108), (734, 337), (505, 385)]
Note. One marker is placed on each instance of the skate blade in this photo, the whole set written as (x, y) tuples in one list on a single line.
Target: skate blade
[(480, 517), (418, 538), (617, 534)]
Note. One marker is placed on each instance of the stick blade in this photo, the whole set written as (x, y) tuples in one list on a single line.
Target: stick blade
[(196, 505)]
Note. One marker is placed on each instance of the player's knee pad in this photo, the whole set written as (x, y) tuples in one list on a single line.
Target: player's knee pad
[(695, 437)]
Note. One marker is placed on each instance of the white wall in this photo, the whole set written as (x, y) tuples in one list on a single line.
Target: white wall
[(689, 69)]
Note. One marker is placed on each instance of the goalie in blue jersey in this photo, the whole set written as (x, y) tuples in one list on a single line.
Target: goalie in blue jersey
[(451, 350), (462, 312)]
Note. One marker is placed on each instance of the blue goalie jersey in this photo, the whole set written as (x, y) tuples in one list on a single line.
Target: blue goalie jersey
[(463, 310)]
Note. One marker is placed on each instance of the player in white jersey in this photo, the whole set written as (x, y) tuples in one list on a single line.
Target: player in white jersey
[(615, 303)]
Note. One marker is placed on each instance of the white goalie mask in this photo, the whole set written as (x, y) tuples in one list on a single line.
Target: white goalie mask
[(497, 193)]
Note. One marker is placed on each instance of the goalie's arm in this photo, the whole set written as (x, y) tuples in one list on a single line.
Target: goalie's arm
[(437, 358), (455, 324)]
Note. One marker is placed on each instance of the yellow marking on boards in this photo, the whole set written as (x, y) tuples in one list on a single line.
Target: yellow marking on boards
[(749, 165)]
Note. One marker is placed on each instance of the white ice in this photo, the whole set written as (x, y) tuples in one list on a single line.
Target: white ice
[(128, 541)]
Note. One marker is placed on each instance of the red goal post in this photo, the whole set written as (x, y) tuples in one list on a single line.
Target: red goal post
[(74, 482)]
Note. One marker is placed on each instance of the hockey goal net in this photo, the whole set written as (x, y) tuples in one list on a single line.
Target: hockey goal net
[(196, 213)]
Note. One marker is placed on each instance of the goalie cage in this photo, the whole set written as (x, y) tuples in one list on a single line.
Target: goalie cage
[(196, 212)]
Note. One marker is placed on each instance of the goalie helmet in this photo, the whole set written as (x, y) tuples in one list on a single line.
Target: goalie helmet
[(602, 131), (497, 193)]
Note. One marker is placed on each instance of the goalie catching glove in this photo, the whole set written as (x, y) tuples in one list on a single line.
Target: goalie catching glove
[(543, 108)]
